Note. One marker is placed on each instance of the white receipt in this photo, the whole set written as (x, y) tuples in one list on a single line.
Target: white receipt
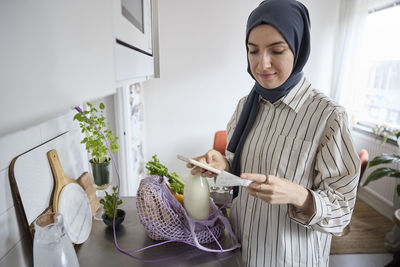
[(228, 179), (223, 178)]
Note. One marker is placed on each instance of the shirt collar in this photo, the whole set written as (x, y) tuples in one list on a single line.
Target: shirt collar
[(296, 97)]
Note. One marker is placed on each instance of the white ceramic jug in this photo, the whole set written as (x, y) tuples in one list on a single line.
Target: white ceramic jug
[(51, 245)]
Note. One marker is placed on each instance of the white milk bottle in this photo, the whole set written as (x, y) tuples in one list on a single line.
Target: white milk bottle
[(197, 197)]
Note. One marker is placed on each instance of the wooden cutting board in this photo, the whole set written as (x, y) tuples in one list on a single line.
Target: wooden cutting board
[(87, 182), (72, 201), (61, 180)]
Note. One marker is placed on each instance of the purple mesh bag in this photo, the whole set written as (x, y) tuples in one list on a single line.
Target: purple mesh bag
[(164, 218)]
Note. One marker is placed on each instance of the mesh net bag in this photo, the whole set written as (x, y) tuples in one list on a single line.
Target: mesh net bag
[(164, 218)]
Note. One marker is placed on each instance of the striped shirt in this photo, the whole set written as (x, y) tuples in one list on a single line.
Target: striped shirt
[(303, 137)]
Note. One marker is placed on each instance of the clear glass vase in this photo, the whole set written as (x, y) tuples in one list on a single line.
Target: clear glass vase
[(101, 174), (51, 244)]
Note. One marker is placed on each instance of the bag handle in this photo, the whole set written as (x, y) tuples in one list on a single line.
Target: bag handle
[(228, 227), (191, 224)]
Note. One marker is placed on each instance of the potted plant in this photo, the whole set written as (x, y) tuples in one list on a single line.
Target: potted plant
[(381, 172), (95, 143), (109, 202)]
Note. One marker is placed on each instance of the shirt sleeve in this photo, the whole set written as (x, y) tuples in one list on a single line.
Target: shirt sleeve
[(335, 184)]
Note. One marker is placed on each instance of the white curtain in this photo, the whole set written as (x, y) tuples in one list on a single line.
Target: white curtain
[(352, 17)]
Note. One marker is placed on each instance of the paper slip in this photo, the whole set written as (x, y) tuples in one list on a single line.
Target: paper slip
[(223, 178)]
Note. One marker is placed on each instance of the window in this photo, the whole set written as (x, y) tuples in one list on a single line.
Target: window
[(378, 86)]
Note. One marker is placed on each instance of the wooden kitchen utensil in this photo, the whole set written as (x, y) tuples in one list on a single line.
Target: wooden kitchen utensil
[(70, 200), (85, 180), (87, 183), (60, 177)]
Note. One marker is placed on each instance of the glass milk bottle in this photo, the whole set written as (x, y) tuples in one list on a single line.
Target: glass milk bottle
[(197, 197), (51, 244)]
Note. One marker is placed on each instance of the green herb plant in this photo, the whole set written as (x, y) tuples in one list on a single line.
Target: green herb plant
[(155, 167), (94, 141), (108, 203), (385, 132), (385, 158)]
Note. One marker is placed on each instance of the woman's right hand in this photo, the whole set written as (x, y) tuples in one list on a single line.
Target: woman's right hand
[(213, 158)]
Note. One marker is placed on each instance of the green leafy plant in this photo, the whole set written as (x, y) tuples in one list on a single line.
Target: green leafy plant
[(155, 167), (385, 158), (385, 132), (94, 141), (109, 202)]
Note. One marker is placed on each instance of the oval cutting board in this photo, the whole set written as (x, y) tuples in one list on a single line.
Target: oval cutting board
[(74, 205), (70, 200)]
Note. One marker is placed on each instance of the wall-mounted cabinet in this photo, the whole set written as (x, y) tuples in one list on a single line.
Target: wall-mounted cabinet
[(136, 36)]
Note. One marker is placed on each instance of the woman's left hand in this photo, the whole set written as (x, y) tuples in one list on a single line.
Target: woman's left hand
[(275, 190)]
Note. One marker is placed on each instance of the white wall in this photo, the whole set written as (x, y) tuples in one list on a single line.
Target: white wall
[(324, 17), (204, 71), (54, 55)]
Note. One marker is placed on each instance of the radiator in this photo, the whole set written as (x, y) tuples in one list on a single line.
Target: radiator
[(379, 194)]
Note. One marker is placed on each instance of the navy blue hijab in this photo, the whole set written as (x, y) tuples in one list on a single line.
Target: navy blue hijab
[(291, 19)]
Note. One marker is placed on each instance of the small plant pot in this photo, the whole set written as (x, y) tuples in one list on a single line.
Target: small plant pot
[(120, 218)]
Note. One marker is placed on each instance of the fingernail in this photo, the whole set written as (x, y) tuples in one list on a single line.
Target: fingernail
[(243, 176)]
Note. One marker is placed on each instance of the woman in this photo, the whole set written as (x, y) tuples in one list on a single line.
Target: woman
[(293, 142)]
